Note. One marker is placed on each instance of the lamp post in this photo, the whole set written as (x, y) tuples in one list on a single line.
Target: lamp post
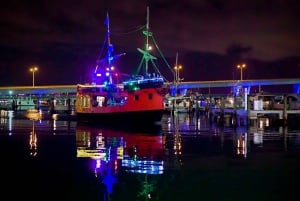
[(33, 70), (177, 68), (241, 66)]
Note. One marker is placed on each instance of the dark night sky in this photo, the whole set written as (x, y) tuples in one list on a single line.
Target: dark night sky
[(65, 36)]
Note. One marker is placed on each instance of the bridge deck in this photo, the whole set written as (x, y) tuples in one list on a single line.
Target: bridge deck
[(50, 89)]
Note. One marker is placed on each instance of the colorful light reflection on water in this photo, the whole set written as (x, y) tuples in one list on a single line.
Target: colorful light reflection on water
[(139, 165), (111, 150)]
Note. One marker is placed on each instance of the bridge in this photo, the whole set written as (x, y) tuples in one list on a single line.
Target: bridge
[(233, 83), (71, 89), (39, 90)]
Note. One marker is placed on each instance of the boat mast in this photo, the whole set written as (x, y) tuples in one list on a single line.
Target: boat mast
[(109, 51), (146, 52), (147, 34), (105, 65)]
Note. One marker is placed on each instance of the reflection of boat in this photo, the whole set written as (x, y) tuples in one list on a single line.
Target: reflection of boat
[(113, 150), (33, 114), (134, 99), (99, 143)]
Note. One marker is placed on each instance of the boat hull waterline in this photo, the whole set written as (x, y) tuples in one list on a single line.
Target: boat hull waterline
[(136, 117), (144, 106)]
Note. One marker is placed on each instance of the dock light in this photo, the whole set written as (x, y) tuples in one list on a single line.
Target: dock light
[(241, 66), (33, 70)]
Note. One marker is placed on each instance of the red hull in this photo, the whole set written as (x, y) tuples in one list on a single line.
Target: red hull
[(122, 106)]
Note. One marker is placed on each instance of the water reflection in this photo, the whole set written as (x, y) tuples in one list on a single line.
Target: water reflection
[(6, 118), (241, 145), (190, 133), (112, 151), (33, 140), (70, 159)]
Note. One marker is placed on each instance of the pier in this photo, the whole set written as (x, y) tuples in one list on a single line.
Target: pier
[(256, 108)]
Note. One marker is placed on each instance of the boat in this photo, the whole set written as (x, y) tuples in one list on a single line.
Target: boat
[(23, 103), (292, 102), (137, 98), (179, 103)]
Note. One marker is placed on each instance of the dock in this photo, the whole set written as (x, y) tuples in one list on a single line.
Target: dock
[(257, 109), (61, 98)]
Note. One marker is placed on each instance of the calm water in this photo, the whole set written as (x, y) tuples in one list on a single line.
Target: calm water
[(186, 158)]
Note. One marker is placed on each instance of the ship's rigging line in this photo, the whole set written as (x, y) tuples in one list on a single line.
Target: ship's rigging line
[(138, 29)]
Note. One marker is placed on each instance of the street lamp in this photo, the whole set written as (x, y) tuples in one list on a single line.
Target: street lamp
[(177, 68), (33, 70), (241, 66)]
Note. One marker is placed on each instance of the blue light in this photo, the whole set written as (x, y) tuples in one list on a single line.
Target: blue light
[(297, 88), (143, 166)]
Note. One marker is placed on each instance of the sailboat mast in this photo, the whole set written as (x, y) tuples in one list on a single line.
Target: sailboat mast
[(108, 30), (109, 50), (146, 51), (105, 72), (110, 46), (147, 41)]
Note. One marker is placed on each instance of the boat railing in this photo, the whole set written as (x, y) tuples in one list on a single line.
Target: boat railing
[(142, 80)]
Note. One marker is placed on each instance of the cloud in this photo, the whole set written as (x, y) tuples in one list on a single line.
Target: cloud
[(211, 25), (266, 29)]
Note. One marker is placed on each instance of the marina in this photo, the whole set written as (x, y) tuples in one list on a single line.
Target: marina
[(222, 107), (71, 160), (94, 121)]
